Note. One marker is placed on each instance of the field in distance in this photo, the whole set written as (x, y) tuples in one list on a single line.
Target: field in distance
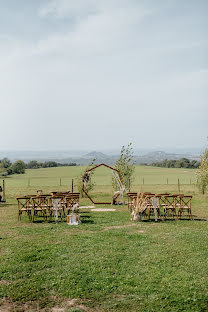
[(102, 176)]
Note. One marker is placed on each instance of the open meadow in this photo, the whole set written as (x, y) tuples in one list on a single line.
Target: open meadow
[(107, 263)]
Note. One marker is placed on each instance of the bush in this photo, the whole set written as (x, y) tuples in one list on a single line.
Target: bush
[(18, 167), (5, 163), (33, 164)]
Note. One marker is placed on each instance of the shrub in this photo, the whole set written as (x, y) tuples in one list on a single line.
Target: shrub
[(33, 164), (5, 163), (18, 167)]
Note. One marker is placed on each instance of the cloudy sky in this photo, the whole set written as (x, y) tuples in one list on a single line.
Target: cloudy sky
[(97, 74)]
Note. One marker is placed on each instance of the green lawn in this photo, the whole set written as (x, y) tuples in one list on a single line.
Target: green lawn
[(102, 176), (107, 263)]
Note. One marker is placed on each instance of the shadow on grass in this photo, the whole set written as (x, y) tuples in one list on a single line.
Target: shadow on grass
[(171, 220), (87, 219), (4, 204)]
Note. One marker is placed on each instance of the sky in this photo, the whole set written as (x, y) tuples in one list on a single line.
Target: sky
[(98, 74)]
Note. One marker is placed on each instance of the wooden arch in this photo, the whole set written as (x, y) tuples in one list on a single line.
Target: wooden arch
[(93, 168)]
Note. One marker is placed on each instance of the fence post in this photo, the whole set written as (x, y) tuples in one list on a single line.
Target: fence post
[(179, 186), (4, 190), (72, 185)]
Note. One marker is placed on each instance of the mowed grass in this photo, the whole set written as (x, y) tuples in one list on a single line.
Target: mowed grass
[(107, 263)]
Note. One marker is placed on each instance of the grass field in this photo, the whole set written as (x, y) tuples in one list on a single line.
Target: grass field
[(107, 263)]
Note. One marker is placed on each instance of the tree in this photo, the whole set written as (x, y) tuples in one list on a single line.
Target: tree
[(18, 167), (5, 163), (48, 164), (125, 166), (33, 164), (202, 174)]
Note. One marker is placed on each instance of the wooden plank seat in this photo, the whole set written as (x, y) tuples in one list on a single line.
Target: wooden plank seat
[(24, 206), (169, 209), (150, 206), (177, 199), (41, 205), (162, 200), (59, 193), (72, 202), (185, 206), (57, 206), (139, 206), (131, 198)]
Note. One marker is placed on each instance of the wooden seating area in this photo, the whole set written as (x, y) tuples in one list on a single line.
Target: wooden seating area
[(48, 206), (167, 205)]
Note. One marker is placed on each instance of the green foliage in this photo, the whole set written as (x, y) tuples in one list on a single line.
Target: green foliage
[(18, 167), (179, 163), (125, 166), (5, 163), (202, 174), (49, 164), (90, 184), (34, 164)]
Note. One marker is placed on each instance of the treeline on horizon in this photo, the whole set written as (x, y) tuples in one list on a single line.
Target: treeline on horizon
[(34, 164), (19, 166), (176, 163)]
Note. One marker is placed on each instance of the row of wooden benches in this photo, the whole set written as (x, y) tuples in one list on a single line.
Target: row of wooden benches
[(48, 205), (165, 204)]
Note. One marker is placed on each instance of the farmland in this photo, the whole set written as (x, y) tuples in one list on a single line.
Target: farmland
[(107, 263)]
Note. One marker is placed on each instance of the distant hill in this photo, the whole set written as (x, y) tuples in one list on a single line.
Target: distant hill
[(85, 159), (158, 156), (96, 155), (148, 158)]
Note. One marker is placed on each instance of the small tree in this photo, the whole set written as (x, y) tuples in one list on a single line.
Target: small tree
[(33, 164), (5, 163), (88, 178), (18, 167), (125, 166), (202, 174)]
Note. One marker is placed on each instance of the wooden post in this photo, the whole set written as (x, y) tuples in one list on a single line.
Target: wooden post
[(179, 186), (72, 186), (4, 197), (60, 182)]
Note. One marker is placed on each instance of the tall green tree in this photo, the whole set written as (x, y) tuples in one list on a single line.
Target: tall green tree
[(125, 165), (202, 174)]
